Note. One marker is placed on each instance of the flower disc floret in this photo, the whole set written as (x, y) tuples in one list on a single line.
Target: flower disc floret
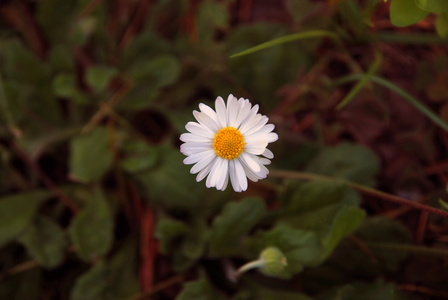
[(228, 143)]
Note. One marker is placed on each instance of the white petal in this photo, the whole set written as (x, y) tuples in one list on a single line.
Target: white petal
[(232, 110), (250, 162), (190, 137), (240, 175), (264, 161), (226, 181), (249, 123), (209, 112), (205, 120), (255, 148), (244, 109), (252, 113), (223, 174), (251, 175), (192, 148), (211, 179), (268, 153), (194, 158), (204, 172), (233, 177), (256, 127), (272, 137), (203, 163), (198, 129), (221, 111)]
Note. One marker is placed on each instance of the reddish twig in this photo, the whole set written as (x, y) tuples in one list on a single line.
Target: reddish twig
[(44, 178), (361, 188), (147, 251)]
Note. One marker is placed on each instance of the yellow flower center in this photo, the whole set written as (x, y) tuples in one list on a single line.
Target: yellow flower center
[(228, 143)]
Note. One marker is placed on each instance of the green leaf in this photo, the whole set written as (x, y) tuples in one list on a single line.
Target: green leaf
[(211, 15), (346, 161), (301, 247), (236, 220), (286, 39), (91, 285), (345, 222), (168, 231), (98, 77), (45, 242), (200, 289), (138, 156), (405, 13), (442, 25), (365, 263), (17, 212), (406, 96), (434, 6), (90, 156), (92, 229), (64, 85), (160, 71)]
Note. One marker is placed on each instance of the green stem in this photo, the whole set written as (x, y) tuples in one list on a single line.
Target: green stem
[(289, 38), (408, 248), (412, 100), (250, 265), (361, 188)]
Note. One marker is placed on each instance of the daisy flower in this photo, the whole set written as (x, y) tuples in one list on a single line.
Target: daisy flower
[(229, 143)]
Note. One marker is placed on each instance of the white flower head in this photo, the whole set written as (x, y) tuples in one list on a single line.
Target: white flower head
[(230, 142)]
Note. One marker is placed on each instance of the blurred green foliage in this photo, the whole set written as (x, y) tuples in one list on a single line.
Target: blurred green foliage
[(93, 97)]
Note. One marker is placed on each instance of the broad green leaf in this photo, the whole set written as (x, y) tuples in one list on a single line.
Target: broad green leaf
[(92, 229), (90, 156), (442, 24), (91, 285), (363, 263), (52, 12), (434, 6), (158, 72), (98, 77), (64, 85), (17, 212), (45, 242), (345, 222), (405, 13), (168, 231), (235, 220), (138, 156), (200, 289), (346, 161), (314, 195), (301, 247)]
